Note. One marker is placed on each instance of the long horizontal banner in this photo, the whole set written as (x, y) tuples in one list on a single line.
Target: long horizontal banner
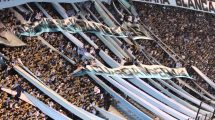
[(71, 25), (198, 5), (142, 71)]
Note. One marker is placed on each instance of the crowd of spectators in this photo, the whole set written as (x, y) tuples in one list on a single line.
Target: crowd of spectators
[(186, 32), (55, 71), (13, 108)]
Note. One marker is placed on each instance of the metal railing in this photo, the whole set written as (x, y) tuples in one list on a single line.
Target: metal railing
[(206, 116)]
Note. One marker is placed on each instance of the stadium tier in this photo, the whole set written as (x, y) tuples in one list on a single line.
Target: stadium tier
[(107, 60)]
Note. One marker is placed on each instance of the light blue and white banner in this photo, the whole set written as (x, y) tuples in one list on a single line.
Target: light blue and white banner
[(71, 25), (142, 71)]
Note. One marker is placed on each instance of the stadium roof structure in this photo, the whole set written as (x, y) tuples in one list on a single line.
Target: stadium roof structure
[(11, 3)]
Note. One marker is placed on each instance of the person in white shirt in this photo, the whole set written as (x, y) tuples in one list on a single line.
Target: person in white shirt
[(92, 51), (122, 61), (106, 51), (178, 64), (38, 16), (130, 18), (51, 104), (96, 90), (37, 113)]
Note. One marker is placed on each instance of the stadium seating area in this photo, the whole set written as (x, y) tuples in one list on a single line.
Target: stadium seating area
[(187, 33)]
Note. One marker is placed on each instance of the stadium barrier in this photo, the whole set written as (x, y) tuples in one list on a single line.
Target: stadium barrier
[(107, 12), (153, 101), (176, 98), (108, 115), (88, 40), (161, 97), (102, 13), (115, 45), (204, 91), (188, 97), (106, 18), (109, 60), (54, 49), (110, 46), (139, 100), (202, 75), (192, 89)]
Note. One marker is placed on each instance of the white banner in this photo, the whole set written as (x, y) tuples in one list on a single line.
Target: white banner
[(198, 5), (142, 71), (71, 25)]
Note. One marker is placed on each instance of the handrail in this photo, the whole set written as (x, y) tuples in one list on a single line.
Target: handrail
[(192, 89), (191, 99), (105, 17), (202, 75), (108, 13), (179, 100), (13, 93), (110, 46), (203, 90), (110, 61), (108, 115), (206, 117)]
